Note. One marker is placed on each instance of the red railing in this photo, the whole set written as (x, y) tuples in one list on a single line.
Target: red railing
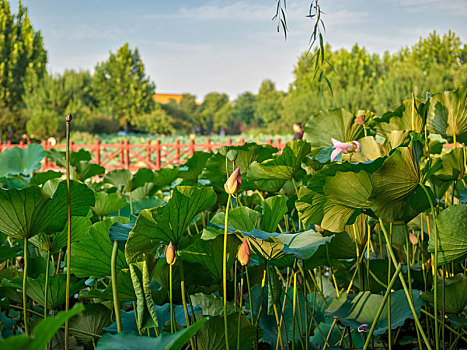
[(124, 155)]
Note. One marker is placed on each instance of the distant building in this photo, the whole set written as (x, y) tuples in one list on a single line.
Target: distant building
[(166, 98)]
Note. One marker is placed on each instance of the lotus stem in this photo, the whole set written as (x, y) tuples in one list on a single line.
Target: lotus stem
[(389, 295), (131, 202), (279, 333), (249, 295), (113, 271), (240, 309), (263, 281), (404, 286), (185, 308), (329, 333), (235, 284), (172, 315), (381, 307), (294, 305), (68, 243), (25, 277), (224, 273), (435, 269)]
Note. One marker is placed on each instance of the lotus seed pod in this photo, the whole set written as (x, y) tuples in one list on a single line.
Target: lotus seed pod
[(232, 155), (223, 150)]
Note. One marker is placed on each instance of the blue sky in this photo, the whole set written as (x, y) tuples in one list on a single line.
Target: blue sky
[(199, 46)]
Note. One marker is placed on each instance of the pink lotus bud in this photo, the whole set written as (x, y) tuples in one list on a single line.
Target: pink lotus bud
[(360, 119), (319, 229), (244, 253), (413, 238), (170, 255), (362, 328), (233, 182), (344, 148)]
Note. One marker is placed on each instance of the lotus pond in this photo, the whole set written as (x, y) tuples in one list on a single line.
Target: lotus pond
[(247, 248)]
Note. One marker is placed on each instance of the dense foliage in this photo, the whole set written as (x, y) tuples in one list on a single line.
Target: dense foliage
[(351, 238)]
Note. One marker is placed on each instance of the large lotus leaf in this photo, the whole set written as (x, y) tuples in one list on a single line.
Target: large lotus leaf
[(212, 335), (108, 203), (410, 115), (26, 212), (274, 209), (240, 218), (396, 187), (248, 153), (16, 161), (303, 244), (167, 223), (165, 176), (395, 138), (337, 193), (371, 150), (265, 244), (447, 114), (212, 305), (7, 252), (42, 177), (340, 247), (91, 255), (194, 166), (85, 170), (124, 341), (141, 204), (92, 320), (56, 292), (335, 123), (120, 231), (456, 294), (452, 239), (209, 254), (283, 166), (357, 309), (451, 166), (121, 178), (59, 157), (126, 291), (42, 333)]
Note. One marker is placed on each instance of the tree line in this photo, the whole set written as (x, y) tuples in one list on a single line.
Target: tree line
[(118, 94)]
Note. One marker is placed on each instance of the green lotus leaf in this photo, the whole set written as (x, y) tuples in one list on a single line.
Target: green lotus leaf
[(240, 218), (337, 193), (167, 223), (215, 170), (16, 161), (212, 305), (452, 294), (361, 308), (175, 341), (212, 335), (85, 170), (396, 194), (209, 254), (165, 176), (334, 123), (194, 166), (42, 333), (126, 291), (108, 203), (141, 204), (91, 255), (7, 252), (120, 178), (274, 209), (303, 244), (371, 150), (410, 115), (451, 166), (26, 212), (283, 166), (452, 240), (447, 114), (92, 320), (42, 177)]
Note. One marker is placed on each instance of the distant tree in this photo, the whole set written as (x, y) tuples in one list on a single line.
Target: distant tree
[(244, 108), (269, 103), (121, 86), (22, 59), (157, 121), (212, 112), (183, 114)]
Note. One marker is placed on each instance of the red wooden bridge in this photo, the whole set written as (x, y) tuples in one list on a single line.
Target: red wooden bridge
[(150, 155)]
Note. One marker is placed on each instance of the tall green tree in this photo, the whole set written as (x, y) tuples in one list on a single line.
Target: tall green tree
[(184, 114), (22, 59), (214, 112), (120, 85), (269, 103), (244, 108)]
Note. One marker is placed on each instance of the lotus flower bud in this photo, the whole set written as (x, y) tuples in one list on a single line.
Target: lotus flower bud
[(360, 120), (413, 239), (362, 328), (319, 229), (233, 182), (244, 253), (232, 155), (170, 255), (223, 150)]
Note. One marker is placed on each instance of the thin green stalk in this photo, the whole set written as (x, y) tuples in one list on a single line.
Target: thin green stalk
[(240, 309), (235, 284), (25, 277), (381, 307), (252, 321), (185, 308), (263, 281), (224, 273), (389, 295), (46, 286), (172, 320), (444, 325), (113, 271), (410, 280), (131, 202), (404, 286), (435, 270), (330, 332), (136, 318), (68, 243), (279, 333)]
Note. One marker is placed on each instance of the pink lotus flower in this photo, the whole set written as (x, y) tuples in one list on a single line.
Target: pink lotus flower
[(413, 239), (344, 148), (363, 328), (244, 253), (360, 120), (233, 182)]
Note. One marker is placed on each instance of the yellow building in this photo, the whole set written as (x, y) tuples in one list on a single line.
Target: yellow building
[(166, 98)]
